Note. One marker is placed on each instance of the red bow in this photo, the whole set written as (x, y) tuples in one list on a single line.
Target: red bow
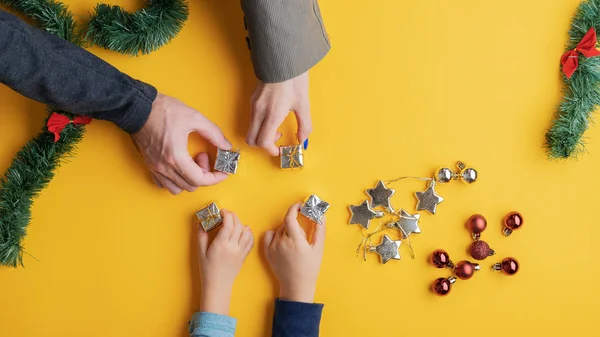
[(57, 122), (587, 47)]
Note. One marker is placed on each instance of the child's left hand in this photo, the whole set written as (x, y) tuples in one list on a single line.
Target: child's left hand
[(221, 262)]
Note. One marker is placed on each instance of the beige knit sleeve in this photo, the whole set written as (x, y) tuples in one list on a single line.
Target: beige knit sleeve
[(285, 37)]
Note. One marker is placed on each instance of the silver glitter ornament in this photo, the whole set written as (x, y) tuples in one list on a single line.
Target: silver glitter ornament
[(380, 196), (408, 224), (444, 175), (387, 249), (428, 199), (469, 175), (314, 208), (227, 161), (362, 214), (209, 217)]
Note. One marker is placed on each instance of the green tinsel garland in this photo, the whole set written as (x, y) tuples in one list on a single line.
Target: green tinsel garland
[(33, 167), (581, 92), (146, 30)]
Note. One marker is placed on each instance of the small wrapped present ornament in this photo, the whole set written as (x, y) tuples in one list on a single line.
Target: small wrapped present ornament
[(209, 217), (314, 208), (227, 161), (291, 156)]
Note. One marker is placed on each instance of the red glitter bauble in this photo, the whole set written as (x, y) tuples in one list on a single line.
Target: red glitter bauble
[(510, 266), (513, 220), (441, 286), (480, 250), (464, 269), (476, 223), (440, 258)]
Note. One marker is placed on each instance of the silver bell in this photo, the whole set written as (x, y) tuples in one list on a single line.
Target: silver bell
[(469, 175), (444, 175)]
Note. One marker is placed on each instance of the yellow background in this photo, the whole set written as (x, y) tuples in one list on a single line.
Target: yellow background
[(408, 87)]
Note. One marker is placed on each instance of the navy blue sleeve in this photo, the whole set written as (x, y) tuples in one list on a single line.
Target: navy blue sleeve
[(296, 319), (53, 71)]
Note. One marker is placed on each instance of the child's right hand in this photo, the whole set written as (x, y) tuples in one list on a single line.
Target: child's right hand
[(295, 261)]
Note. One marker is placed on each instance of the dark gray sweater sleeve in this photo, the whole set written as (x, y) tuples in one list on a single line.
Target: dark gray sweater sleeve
[(53, 71), (286, 37)]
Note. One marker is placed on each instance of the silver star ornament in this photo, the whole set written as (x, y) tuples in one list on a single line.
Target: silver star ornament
[(381, 195), (408, 224), (428, 200), (362, 214), (388, 249)]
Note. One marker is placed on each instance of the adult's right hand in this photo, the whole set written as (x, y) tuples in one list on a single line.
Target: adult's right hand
[(163, 142)]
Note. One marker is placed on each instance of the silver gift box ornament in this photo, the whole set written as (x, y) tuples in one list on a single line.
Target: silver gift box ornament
[(291, 156), (227, 161), (209, 217), (314, 208)]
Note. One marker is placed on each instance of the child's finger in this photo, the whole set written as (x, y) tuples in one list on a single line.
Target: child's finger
[(202, 241), (279, 233), (292, 227), (249, 244), (227, 227), (319, 235), (267, 240), (237, 229), (245, 236)]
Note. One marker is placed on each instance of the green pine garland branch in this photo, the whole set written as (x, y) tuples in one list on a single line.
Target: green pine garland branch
[(51, 15), (581, 92), (145, 30), (30, 172)]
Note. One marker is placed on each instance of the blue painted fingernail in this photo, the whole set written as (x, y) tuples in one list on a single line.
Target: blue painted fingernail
[(306, 144)]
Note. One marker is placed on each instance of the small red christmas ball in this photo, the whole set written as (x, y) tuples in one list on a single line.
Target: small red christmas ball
[(476, 223), (441, 286), (464, 269), (480, 250), (513, 220), (510, 266), (440, 258)]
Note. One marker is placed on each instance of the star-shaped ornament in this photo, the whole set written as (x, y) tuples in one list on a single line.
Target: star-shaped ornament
[(428, 200), (380, 196), (362, 214), (408, 224), (388, 249)]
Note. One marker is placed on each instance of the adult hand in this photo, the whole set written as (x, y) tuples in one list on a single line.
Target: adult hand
[(271, 103), (294, 259), (163, 142)]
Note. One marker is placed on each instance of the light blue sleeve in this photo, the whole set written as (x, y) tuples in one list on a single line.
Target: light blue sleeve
[(207, 324)]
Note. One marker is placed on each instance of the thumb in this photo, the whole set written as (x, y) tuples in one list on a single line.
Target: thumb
[(202, 242), (268, 239), (304, 122), (210, 131), (319, 235)]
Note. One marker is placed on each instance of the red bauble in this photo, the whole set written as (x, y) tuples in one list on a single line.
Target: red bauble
[(513, 220), (510, 266), (441, 259), (480, 250), (464, 269), (476, 223), (442, 286)]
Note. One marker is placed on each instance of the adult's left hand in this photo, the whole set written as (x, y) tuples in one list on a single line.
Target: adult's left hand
[(271, 103)]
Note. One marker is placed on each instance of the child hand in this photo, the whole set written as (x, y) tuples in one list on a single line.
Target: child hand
[(221, 261), (295, 261)]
